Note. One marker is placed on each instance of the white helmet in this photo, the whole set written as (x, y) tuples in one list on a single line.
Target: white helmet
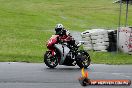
[(59, 26)]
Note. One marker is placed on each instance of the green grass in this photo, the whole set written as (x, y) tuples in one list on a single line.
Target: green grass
[(26, 25), (110, 58)]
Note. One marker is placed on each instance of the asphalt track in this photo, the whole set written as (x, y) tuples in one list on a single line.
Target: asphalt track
[(37, 75)]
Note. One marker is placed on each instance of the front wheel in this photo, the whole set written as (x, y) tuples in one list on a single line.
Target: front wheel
[(50, 61), (83, 59)]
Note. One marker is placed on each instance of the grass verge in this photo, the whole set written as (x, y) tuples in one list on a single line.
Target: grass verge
[(110, 58)]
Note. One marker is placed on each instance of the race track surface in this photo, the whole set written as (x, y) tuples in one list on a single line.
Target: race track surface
[(37, 75)]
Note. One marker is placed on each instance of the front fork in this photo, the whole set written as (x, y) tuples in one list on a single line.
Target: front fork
[(53, 53)]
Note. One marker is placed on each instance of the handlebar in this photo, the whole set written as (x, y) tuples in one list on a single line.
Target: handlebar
[(80, 43)]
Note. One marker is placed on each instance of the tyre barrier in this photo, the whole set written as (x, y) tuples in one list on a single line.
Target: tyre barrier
[(86, 38), (101, 44), (88, 45), (87, 42), (99, 36), (100, 48), (97, 32), (86, 33), (100, 40), (112, 35)]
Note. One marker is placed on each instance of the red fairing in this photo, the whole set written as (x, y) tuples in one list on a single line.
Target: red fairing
[(66, 38), (52, 41)]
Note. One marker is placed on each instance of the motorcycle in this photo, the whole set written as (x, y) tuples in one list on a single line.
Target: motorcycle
[(65, 54)]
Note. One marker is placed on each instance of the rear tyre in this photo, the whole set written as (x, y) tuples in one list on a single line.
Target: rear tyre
[(83, 59), (50, 61)]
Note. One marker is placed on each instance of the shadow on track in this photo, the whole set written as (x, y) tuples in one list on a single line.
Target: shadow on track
[(65, 69)]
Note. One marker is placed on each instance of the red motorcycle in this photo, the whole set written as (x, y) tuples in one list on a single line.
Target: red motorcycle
[(65, 54)]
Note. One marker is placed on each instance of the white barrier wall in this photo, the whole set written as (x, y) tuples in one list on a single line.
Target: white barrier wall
[(125, 39)]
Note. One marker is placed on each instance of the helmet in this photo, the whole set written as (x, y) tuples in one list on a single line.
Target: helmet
[(59, 28)]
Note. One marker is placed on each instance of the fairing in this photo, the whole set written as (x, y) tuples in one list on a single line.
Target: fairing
[(63, 50)]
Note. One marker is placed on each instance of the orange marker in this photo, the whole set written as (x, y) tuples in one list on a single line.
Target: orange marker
[(84, 80)]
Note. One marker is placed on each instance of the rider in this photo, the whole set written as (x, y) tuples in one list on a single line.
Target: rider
[(64, 35)]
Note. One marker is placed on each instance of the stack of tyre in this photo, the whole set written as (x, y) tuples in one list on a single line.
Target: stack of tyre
[(112, 34), (86, 38), (100, 40)]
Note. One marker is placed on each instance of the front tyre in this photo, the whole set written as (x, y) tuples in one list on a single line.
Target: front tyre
[(50, 61), (83, 59)]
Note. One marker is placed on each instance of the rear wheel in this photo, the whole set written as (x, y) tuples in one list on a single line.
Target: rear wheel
[(83, 59), (50, 61)]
